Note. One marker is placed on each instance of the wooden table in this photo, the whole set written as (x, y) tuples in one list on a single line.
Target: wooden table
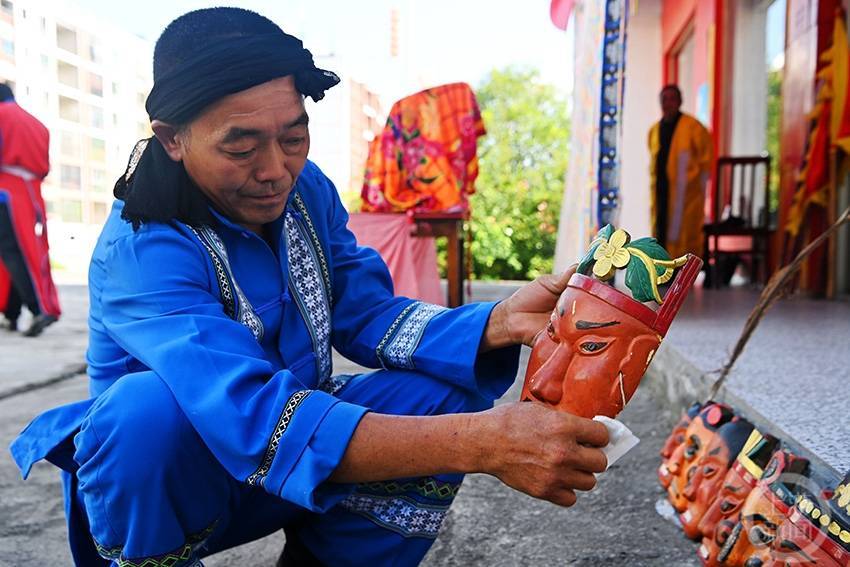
[(450, 226)]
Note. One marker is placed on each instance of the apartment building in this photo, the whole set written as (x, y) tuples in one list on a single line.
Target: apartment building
[(87, 80)]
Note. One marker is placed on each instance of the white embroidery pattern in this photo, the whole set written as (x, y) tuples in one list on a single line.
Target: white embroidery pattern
[(236, 305), (334, 384), (310, 293), (317, 246), (404, 516), (397, 347)]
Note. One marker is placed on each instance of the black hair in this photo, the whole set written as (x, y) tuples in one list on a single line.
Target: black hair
[(672, 87), (6, 93)]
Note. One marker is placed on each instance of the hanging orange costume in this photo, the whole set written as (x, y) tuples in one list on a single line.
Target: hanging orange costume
[(425, 159)]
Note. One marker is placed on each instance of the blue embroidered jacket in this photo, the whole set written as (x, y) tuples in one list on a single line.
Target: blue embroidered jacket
[(242, 334)]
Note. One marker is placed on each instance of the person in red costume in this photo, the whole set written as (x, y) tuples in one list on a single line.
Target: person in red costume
[(24, 264)]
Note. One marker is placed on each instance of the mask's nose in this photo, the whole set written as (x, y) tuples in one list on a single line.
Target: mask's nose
[(547, 385)]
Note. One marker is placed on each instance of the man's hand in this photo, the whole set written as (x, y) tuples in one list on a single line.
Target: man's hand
[(518, 319), (537, 450), (543, 452)]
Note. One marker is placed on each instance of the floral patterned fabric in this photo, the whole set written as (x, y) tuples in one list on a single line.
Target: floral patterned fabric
[(425, 159)]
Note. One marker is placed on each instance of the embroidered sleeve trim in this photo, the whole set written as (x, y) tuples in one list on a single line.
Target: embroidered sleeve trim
[(258, 477), (401, 340), (399, 514)]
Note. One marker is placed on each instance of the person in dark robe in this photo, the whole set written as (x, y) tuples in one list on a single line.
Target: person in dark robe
[(680, 161)]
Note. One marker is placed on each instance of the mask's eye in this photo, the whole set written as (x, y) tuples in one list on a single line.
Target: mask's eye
[(727, 506), (592, 347), (709, 471)]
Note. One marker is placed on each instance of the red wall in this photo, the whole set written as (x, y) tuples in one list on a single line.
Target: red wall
[(704, 19), (808, 33)]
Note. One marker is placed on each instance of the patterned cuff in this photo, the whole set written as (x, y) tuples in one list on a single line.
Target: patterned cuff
[(310, 450), (396, 348)]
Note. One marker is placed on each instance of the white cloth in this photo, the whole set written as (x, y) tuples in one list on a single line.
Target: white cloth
[(620, 439)]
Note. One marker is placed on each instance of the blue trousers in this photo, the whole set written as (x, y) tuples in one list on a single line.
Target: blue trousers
[(149, 492)]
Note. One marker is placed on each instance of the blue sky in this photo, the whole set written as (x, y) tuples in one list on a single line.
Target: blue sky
[(449, 40)]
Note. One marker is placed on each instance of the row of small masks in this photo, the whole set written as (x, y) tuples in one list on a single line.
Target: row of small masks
[(750, 501)]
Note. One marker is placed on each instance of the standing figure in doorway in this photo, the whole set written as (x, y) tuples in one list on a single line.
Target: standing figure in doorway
[(680, 150), (25, 278)]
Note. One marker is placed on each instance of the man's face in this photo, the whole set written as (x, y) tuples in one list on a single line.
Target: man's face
[(590, 358), (670, 103), (245, 152)]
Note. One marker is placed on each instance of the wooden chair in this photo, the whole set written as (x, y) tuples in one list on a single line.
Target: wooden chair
[(740, 218)]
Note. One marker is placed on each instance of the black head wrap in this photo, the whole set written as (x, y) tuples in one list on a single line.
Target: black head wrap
[(231, 50)]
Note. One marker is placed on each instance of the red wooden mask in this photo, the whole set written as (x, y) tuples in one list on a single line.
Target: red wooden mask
[(674, 441), (747, 540), (740, 480), (683, 462), (817, 532), (599, 342), (703, 486)]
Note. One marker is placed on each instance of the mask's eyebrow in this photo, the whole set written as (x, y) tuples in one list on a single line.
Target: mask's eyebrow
[(584, 325)]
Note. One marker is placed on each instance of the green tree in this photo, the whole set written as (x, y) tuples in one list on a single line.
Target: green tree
[(522, 162), (774, 124)]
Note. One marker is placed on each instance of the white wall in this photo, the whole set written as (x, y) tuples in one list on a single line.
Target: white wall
[(641, 111)]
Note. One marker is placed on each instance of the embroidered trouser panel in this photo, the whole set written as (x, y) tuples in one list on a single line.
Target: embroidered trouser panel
[(154, 495)]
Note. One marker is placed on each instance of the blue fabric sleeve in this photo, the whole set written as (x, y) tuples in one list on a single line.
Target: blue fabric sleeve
[(264, 427), (375, 329)]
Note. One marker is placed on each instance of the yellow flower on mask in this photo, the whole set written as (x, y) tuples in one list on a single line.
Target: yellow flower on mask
[(611, 255)]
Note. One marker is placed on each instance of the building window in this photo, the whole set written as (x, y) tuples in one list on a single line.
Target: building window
[(69, 145), (96, 117), (8, 48), (68, 74), (69, 109), (71, 210), (45, 62), (66, 39), (97, 149), (98, 180), (95, 53), (98, 212), (95, 84), (69, 177)]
